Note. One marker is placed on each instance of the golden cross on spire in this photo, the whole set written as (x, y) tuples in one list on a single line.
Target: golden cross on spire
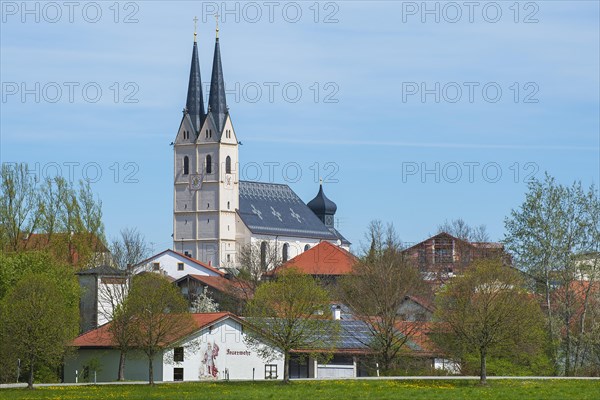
[(195, 28), (217, 21)]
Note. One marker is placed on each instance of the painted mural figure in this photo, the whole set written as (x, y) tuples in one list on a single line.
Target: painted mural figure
[(209, 361)]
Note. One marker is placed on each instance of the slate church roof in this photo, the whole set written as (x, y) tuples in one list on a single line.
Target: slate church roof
[(274, 209)]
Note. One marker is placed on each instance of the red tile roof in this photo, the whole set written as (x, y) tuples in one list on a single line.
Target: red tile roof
[(323, 259), (102, 337)]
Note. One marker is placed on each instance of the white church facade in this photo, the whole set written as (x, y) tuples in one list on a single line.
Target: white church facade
[(215, 214)]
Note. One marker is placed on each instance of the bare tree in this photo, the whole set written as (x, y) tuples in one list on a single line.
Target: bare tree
[(129, 248), (376, 289), (255, 259), (460, 229)]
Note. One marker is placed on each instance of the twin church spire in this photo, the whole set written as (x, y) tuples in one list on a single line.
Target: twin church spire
[(217, 103)]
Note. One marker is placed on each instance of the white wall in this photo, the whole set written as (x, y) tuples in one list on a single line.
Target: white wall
[(169, 264), (233, 355)]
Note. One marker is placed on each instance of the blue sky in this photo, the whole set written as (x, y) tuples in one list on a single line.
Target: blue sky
[(408, 119)]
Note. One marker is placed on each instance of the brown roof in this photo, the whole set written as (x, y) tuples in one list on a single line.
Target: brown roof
[(323, 259), (218, 283), (102, 337)]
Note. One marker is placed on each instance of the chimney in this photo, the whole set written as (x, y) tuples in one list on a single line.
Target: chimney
[(337, 312)]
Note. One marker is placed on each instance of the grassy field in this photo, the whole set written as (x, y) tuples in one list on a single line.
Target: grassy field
[(312, 390)]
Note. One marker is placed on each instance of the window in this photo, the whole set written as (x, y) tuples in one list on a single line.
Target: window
[(263, 254), (179, 266), (285, 251), (271, 371), (228, 165), (228, 204), (208, 164), (206, 134), (443, 251), (228, 257), (178, 354), (155, 266), (177, 374), (187, 254), (307, 247), (186, 165)]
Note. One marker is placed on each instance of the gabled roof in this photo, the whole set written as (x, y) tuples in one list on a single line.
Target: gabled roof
[(102, 337), (478, 245), (218, 283), (323, 259), (274, 209), (187, 258), (428, 305), (105, 270)]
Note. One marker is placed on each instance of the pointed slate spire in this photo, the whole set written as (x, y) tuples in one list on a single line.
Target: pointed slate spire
[(217, 104), (195, 100)]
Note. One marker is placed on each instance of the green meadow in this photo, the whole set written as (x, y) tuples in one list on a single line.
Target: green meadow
[(312, 390)]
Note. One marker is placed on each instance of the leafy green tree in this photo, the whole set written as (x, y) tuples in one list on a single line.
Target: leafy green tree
[(291, 313), (488, 310), (158, 312), (38, 321), (548, 235)]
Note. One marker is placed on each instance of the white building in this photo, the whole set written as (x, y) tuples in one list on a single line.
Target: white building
[(175, 265), (216, 349), (215, 213)]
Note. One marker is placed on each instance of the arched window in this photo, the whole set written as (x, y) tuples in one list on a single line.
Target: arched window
[(228, 205), (263, 254), (186, 165), (307, 247), (208, 164), (284, 255), (228, 165)]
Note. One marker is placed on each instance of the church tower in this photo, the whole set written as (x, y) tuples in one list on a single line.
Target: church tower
[(206, 179)]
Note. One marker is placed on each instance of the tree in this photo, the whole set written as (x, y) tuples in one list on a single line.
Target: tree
[(547, 235), (460, 229), (376, 289), (159, 312), (255, 259), (19, 205), (38, 322), (289, 313), (113, 307), (488, 309), (203, 303), (129, 248)]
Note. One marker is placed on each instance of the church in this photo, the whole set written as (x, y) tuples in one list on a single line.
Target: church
[(215, 214)]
